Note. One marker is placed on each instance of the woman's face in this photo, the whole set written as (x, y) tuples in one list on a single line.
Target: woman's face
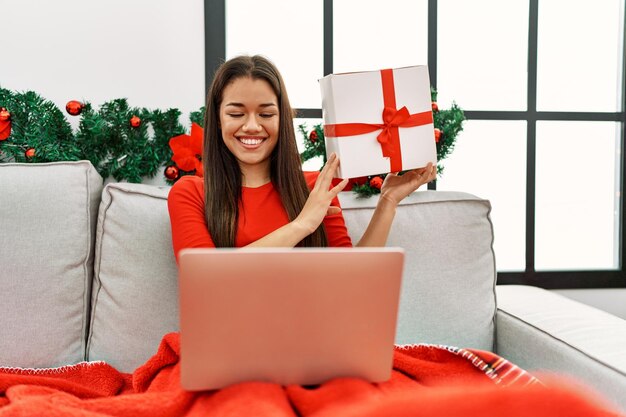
[(249, 120)]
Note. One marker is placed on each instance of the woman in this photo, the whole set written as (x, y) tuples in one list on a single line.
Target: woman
[(254, 192)]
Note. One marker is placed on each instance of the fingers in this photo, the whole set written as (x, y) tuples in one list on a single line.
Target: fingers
[(428, 173), (323, 191), (421, 176), (432, 173), (328, 172), (339, 187)]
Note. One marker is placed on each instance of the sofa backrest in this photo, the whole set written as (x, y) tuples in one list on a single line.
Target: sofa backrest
[(48, 227), (448, 288), (135, 291), (448, 284), (47, 222)]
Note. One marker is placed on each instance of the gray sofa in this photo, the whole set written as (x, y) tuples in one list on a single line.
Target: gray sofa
[(87, 273)]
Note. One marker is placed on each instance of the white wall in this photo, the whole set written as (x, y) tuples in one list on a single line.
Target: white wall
[(148, 51)]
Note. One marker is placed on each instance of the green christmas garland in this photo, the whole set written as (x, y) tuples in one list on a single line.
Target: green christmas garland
[(131, 143), (448, 123), (127, 143)]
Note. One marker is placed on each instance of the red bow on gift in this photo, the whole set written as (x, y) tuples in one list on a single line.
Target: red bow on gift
[(393, 119), (187, 150)]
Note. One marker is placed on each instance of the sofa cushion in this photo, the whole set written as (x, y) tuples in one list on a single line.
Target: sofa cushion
[(448, 289), (135, 294), (46, 227)]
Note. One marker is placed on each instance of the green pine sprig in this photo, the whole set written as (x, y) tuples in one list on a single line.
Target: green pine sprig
[(35, 123), (104, 136), (313, 143)]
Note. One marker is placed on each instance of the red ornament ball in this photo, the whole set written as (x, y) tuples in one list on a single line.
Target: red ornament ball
[(30, 153), (171, 172), (437, 135), (435, 106), (135, 121), (5, 116), (74, 107), (376, 182), (313, 136)]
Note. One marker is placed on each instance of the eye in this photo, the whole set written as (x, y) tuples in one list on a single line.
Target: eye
[(235, 115), (267, 115)]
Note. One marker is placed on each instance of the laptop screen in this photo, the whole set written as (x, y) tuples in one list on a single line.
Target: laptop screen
[(290, 316)]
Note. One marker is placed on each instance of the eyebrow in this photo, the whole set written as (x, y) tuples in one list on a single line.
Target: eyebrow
[(235, 104)]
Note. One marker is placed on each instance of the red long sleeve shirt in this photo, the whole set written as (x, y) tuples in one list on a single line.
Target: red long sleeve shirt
[(260, 213)]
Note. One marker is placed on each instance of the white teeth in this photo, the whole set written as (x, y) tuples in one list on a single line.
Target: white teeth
[(247, 141)]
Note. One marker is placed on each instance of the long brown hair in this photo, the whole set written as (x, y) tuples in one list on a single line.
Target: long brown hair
[(222, 175)]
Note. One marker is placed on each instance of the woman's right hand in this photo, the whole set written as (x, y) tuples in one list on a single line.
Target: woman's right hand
[(318, 205)]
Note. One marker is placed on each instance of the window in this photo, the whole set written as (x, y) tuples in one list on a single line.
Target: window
[(388, 34), (291, 38), (542, 86), (579, 66), (482, 54), (577, 195), (473, 169)]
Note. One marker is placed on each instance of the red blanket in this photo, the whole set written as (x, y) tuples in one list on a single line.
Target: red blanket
[(427, 381)]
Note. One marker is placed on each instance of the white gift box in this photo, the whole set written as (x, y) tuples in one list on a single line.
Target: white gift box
[(353, 103)]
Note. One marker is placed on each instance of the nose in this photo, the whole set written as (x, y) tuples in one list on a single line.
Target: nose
[(252, 125)]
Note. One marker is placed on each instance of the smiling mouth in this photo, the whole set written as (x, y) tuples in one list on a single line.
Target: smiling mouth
[(248, 141)]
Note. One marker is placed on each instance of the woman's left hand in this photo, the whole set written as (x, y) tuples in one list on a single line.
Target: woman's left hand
[(396, 187)]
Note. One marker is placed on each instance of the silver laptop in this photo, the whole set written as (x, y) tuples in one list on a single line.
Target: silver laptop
[(288, 316)]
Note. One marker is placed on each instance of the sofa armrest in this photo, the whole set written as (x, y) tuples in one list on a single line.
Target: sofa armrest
[(544, 331)]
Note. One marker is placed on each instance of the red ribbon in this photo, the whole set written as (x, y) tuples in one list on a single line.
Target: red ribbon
[(393, 119)]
